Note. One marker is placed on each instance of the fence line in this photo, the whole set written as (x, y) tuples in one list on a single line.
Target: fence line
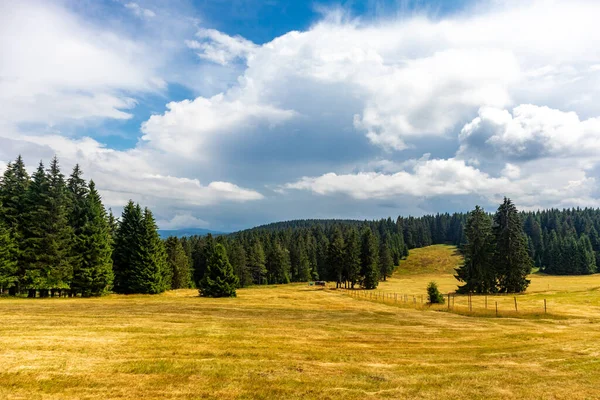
[(402, 299)]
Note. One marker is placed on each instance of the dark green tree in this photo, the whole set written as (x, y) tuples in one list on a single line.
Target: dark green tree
[(127, 248), (386, 262), (368, 260), (336, 257), (178, 263), (8, 258), (13, 196), (93, 274), (433, 294), (257, 263), (352, 257), (477, 271), (511, 259), (219, 280)]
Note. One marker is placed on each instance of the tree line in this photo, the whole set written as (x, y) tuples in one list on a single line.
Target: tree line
[(57, 237)]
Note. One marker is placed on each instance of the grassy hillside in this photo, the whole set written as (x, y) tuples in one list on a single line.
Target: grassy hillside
[(437, 259), (297, 341)]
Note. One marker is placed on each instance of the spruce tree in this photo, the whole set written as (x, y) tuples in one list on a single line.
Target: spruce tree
[(127, 248), (201, 252), (477, 271), (58, 231), (278, 264), (219, 280), (237, 257), (511, 259), (352, 257), (8, 258), (93, 274), (13, 196), (336, 257), (152, 274), (368, 260), (256, 263), (386, 262), (179, 264)]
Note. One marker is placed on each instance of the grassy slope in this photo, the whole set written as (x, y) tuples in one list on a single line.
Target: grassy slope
[(296, 341)]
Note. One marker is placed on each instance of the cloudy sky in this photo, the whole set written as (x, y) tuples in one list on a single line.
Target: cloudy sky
[(228, 114)]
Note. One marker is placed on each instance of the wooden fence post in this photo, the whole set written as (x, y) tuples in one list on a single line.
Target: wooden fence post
[(516, 309), (448, 300), (496, 309), (545, 306)]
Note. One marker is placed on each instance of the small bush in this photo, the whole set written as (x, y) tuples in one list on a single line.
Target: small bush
[(434, 295)]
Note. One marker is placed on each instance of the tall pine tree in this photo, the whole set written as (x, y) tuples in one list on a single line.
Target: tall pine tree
[(368, 260), (511, 258), (477, 271)]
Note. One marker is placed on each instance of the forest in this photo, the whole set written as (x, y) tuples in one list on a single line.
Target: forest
[(57, 239)]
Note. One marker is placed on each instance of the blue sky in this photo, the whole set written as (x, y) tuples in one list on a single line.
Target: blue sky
[(229, 114)]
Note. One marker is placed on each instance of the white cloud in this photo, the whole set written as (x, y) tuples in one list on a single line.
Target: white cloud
[(188, 124), (140, 11), (428, 178), (221, 48), (534, 185), (530, 132), (412, 77), (56, 68)]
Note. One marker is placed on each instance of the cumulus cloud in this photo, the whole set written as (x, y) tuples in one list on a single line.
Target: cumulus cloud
[(428, 178), (530, 132), (413, 77), (533, 186), (187, 124), (56, 68)]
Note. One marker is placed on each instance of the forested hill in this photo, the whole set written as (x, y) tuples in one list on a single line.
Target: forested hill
[(305, 223), (558, 241)]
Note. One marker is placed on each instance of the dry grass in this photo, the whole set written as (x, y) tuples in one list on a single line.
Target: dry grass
[(297, 341)]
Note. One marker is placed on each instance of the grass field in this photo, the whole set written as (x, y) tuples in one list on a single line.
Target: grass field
[(296, 341)]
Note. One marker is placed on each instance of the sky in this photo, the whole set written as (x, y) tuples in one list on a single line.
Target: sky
[(230, 114)]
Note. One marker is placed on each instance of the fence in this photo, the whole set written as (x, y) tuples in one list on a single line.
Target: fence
[(488, 305)]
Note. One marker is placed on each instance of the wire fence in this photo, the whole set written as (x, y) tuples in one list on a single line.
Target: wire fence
[(499, 305)]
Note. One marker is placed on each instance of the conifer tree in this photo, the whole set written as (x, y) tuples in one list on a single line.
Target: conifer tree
[(127, 248), (368, 258), (239, 262), (336, 257), (93, 274), (58, 231), (13, 196), (219, 280), (8, 258), (477, 271), (179, 264), (386, 262), (152, 274), (278, 264), (256, 263), (200, 255), (511, 259), (352, 257)]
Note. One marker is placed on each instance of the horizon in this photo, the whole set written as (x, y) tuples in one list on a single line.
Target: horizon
[(230, 116)]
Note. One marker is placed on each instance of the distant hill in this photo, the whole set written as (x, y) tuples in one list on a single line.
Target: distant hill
[(165, 233), (304, 223)]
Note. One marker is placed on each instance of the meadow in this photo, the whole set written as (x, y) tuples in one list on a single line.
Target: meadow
[(299, 341)]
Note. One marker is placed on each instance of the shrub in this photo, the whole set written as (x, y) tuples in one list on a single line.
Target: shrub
[(434, 295)]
